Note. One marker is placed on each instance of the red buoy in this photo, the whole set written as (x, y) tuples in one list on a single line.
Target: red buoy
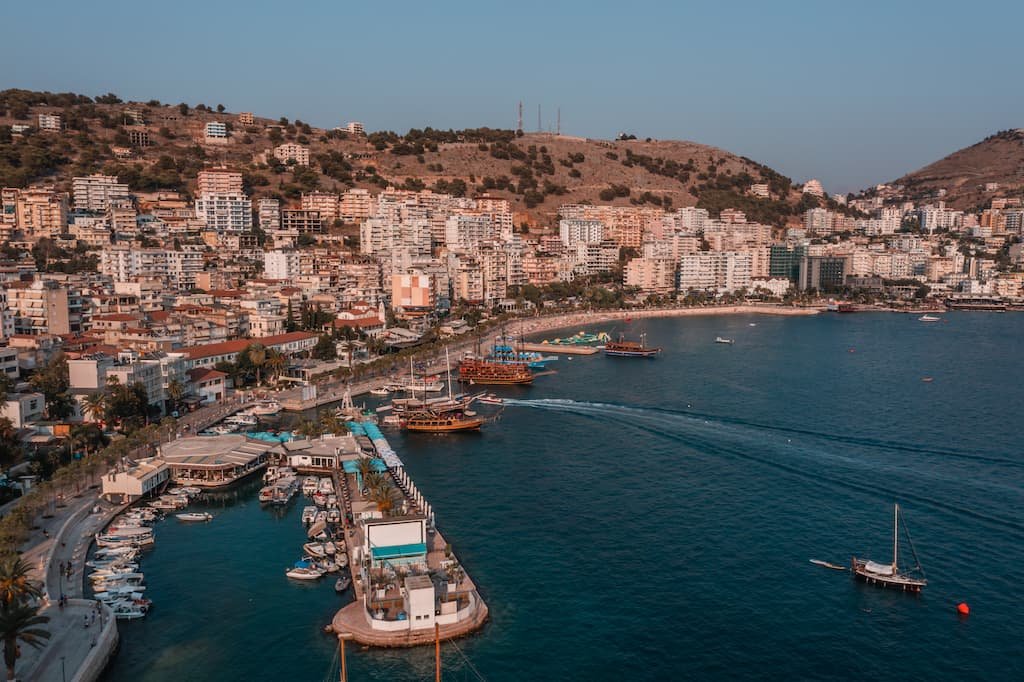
[(963, 609)]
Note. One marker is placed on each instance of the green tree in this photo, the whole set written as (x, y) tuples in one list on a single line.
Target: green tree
[(325, 348), (15, 583), (20, 622), (257, 356), (52, 381)]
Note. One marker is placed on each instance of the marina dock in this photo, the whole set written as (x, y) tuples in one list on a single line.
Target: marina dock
[(555, 348), (405, 577)]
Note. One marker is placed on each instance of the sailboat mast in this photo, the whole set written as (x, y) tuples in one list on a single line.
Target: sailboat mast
[(448, 369), (895, 537)]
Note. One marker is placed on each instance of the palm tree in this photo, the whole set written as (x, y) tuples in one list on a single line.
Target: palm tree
[(307, 428), (175, 392), (276, 362), (20, 621), (258, 357), (331, 423), (15, 584), (95, 405)]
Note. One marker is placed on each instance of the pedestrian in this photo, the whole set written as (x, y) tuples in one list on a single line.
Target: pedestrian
[(86, 621), (93, 617)]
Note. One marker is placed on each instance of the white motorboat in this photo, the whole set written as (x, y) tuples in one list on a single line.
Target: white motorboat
[(319, 498), (719, 339), (490, 399), (328, 566), (321, 517), (108, 597), (342, 583), (223, 429), (115, 552), (128, 610), (332, 500), (111, 572), (109, 565), (308, 514), (325, 486), (309, 485), (266, 408), (299, 573), (242, 419), (333, 515), (194, 516), (162, 504), (929, 318), (342, 559), (382, 391), (192, 491), (116, 591), (330, 548), (316, 529)]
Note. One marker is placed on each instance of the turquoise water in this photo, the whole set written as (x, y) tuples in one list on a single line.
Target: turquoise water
[(653, 519)]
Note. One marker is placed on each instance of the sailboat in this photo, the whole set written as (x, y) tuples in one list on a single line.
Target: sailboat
[(441, 419), (630, 349), (890, 575)]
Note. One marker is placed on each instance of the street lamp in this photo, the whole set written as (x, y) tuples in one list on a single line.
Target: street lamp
[(63, 675)]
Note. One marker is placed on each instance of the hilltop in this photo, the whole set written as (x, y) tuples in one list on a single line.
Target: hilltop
[(999, 158), (537, 172)]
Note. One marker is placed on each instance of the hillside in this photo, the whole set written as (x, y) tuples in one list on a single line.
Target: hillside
[(963, 174), (537, 172)]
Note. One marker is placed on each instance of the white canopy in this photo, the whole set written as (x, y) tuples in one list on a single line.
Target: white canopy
[(880, 569)]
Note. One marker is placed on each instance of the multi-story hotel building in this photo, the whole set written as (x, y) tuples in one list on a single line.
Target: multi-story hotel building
[(94, 192)]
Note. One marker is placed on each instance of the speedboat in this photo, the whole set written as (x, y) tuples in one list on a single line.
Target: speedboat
[(382, 391), (115, 592), (304, 573), (332, 500), (309, 485), (333, 515), (266, 494), (929, 318), (108, 597), (342, 559), (719, 339), (128, 610), (308, 514), (320, 498), (326, 486), (194, 516), (490, 399), (342, 583)]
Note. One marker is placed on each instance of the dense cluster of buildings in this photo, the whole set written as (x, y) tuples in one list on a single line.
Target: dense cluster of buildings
[(177, 274)]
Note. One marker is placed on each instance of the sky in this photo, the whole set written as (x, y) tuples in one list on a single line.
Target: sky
[(851, 93)]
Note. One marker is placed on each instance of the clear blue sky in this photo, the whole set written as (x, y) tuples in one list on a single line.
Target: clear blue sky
[(852, 93)]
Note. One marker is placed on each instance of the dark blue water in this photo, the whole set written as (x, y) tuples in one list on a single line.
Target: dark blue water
[(653, 519)]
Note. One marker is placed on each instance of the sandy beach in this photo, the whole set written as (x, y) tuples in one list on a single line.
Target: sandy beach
[(537, 325)]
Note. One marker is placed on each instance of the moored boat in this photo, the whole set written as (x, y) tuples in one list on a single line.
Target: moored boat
[(194, 516), (485, 372), (630, 349), (342, 583), (890, 575), (722, 339)]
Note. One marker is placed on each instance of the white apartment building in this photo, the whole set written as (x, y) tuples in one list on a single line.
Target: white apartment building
[(94, 192), (933, 218), (355, 128), (215, 130), (574, 231), (723, 271), (814, 188), (225, 212), (759, 190), (467, 231), (283, 265), (819, 221), (324, 202), (39, 307), (218, 181), (290, 151), (269, 211), (355, 204), (50, 122), (177, 268), (593, 259)]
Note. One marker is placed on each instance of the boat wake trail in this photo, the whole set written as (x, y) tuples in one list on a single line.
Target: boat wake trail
[(872, 473)]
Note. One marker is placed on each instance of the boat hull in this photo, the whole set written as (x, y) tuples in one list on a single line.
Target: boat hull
[(454, 427), (901, 583), (648, 353)]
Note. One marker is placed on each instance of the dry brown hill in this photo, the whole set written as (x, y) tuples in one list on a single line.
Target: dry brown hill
[(963, 174), (537, 172)]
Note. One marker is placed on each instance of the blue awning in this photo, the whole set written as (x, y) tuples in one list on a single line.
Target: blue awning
[(351, 466), (399, 551)]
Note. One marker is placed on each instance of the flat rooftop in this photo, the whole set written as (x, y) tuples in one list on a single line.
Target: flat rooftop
[(214, 452)]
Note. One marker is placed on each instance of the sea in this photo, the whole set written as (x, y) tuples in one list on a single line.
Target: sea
[(654, 519)]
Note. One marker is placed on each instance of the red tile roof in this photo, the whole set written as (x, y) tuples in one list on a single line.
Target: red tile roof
[(238, 345), (204, 374)]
